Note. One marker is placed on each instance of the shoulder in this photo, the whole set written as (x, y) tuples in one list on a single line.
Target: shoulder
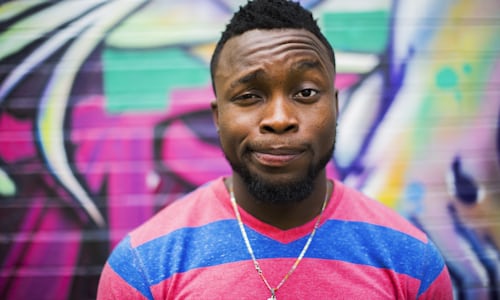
[(352, 205), (199, 207), (374, 233)]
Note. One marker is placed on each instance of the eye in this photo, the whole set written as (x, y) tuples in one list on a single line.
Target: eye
[(246, 99), (306, 95)]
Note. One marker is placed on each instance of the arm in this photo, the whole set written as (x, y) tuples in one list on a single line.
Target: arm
[(435, 282), (440, 288), (123, 276)]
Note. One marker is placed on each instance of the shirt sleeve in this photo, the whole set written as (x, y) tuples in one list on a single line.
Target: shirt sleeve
[(123, 276), (436, 281)]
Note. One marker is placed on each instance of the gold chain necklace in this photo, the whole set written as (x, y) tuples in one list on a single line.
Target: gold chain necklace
[(250, 250)]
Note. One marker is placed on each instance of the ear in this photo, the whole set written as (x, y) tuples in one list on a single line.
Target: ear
[(215, 113)]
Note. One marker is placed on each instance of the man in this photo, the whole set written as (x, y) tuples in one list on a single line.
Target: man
[(276, 228)]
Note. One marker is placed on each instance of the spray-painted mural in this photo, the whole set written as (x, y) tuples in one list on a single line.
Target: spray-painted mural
[(105, 119)]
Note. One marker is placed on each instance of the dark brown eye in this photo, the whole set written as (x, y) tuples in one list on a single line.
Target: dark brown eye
[(248, 96), (246, 99), (306, 94)]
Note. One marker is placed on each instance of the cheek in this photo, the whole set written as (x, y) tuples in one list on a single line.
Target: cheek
[(323, 130), (323, 121), (235, 124), (232, 131), (326, 134)]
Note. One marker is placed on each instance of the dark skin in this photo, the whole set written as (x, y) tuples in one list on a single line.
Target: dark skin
[(276, 111)]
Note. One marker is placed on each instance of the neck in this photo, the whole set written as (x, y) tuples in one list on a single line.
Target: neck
[(283, 216)]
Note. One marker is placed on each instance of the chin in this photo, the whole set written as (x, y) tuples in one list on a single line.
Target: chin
[(275, 189), (280, 187)]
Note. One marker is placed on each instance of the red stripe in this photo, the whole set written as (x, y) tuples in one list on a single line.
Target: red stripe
[(314, 278), (197, 209), (112, 286)]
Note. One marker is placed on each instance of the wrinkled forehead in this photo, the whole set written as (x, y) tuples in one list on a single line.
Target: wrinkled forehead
[(259, 45)]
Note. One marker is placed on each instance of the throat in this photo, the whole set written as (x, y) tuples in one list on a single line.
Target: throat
[(282, 216)]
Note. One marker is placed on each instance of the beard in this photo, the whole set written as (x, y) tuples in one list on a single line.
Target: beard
[(281, 193)]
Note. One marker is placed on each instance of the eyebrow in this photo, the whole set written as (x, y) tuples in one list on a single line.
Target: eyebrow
[(307, 64), (299, 66), (246, 78)]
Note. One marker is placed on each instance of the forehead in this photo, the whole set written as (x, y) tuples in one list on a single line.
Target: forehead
[(258, 47)]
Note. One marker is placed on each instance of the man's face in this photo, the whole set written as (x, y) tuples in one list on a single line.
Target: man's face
[(276, 111)]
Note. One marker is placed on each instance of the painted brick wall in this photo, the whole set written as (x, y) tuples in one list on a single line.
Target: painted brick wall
[(105, 119)]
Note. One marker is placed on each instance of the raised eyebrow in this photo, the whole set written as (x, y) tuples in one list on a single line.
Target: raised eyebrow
[(252, 76), (307, 64)]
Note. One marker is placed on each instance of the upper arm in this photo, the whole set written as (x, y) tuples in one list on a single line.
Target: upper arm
[(123, 275)]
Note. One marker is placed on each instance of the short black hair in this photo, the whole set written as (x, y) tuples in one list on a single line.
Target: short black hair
[(268, 14)]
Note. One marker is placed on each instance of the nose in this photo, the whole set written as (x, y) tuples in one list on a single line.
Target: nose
[(279, 116)]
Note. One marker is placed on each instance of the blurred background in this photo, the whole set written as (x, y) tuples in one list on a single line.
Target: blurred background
[(105, 119)]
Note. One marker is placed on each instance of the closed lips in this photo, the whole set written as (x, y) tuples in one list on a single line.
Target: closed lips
[(277, 156)]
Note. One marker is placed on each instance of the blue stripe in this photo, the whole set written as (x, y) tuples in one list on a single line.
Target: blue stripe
[(435, 264), (221, 242), (128, 265)]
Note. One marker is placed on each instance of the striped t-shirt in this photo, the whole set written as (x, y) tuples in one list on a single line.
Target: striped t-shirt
[(193, 249)]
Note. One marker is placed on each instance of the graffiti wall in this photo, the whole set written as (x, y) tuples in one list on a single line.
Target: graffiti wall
[(105, 119)]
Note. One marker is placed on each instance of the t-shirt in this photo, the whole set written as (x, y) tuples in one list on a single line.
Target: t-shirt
[(193, 249)]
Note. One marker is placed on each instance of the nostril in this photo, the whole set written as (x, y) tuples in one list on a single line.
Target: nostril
[(267, 128), (279, 128), (291, 127)]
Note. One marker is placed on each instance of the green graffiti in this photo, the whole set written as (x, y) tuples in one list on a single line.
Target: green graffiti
[(141, 80), (357, 31), (467, 69), (7, 186), (446, 78)]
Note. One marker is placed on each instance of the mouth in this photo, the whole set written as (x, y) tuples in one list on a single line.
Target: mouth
[(277, 157)]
